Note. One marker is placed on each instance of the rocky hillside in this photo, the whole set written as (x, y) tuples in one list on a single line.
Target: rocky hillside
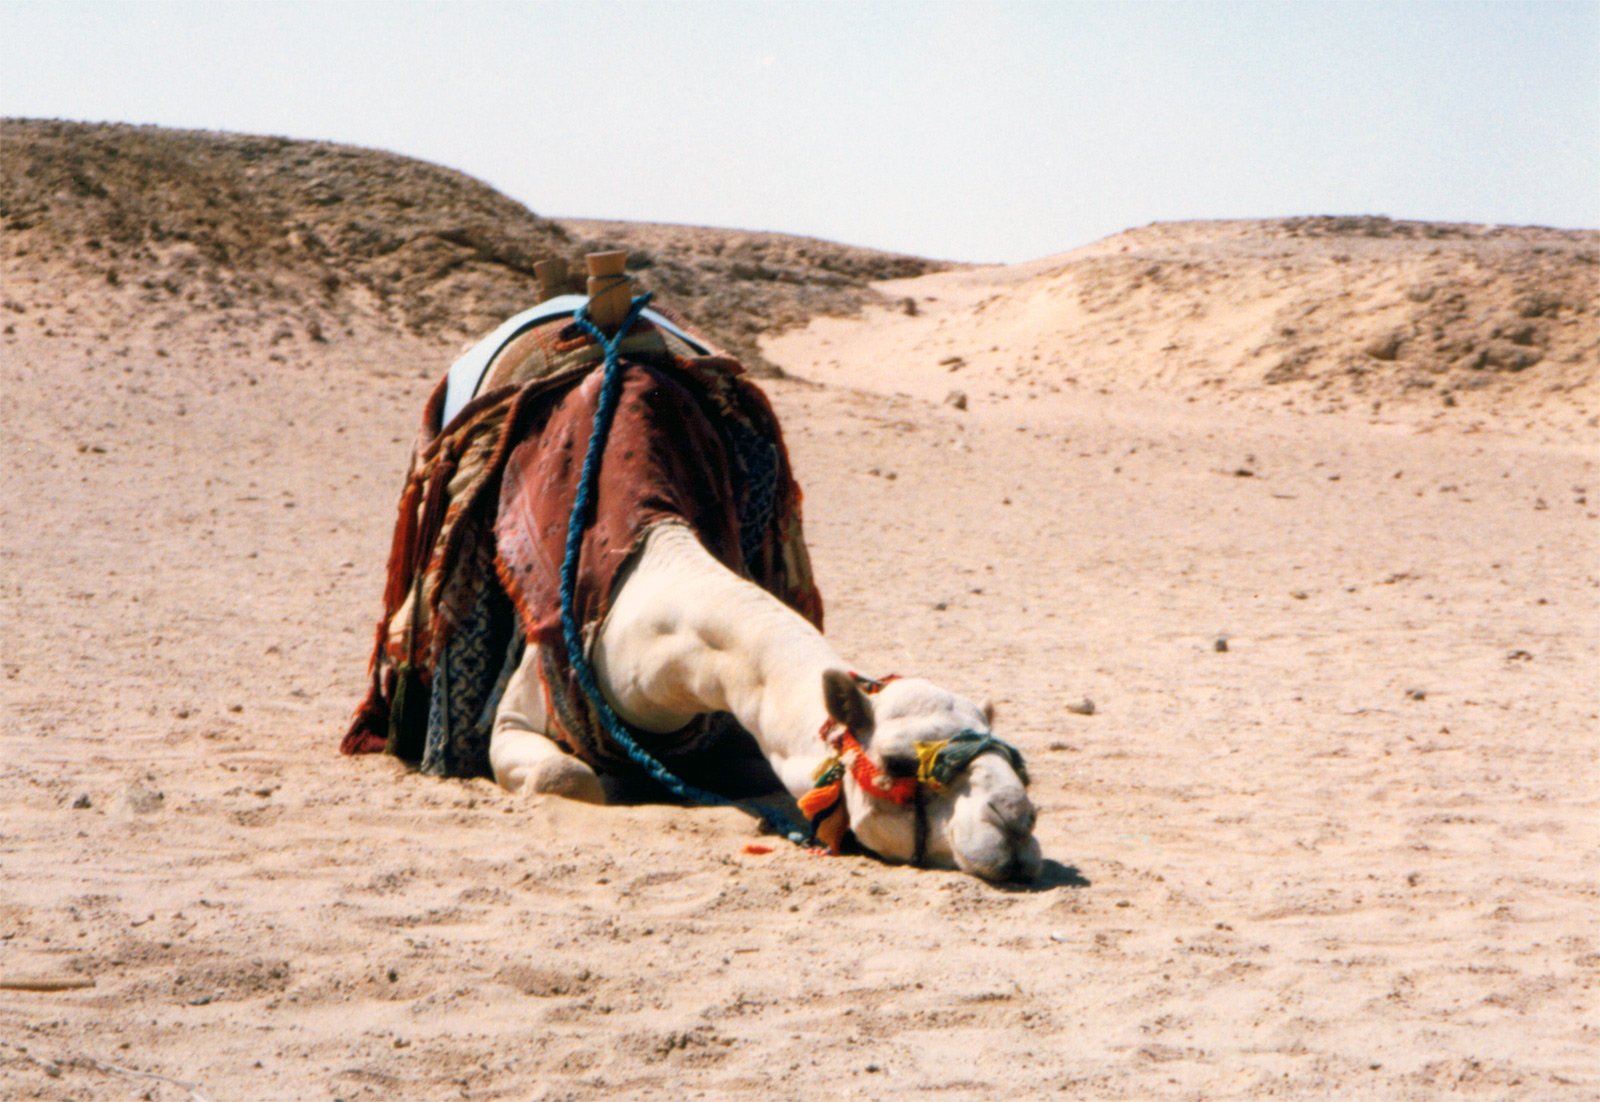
[(237, 231), (220, 224), (1357, 304)]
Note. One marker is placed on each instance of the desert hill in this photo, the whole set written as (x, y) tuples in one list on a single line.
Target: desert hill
[(312, 241), (327, 239), (237, 227), (1309, 313)]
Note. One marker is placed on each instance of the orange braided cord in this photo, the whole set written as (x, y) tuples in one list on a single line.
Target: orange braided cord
[(873, 781)]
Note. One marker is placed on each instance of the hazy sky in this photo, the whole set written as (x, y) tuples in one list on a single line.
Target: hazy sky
[(973, 131)]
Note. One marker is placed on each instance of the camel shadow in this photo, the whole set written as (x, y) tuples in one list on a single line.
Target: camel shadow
[(1052, 875)]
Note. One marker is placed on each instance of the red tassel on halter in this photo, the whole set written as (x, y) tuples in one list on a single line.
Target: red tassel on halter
[(824, 805)]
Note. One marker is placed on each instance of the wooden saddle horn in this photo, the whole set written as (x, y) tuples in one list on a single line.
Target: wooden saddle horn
[(610, 289)]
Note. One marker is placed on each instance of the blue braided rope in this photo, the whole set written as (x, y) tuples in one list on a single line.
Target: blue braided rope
[(582, 516)]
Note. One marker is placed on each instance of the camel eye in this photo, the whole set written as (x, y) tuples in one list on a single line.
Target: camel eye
[(900, 765)]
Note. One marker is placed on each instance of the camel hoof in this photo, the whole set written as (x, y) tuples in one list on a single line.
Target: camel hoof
[(567, 777)]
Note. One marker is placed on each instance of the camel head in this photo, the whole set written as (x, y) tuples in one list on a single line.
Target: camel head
[(932, 769)]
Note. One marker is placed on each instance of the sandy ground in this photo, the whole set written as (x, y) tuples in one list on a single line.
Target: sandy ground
[(1331, 831)]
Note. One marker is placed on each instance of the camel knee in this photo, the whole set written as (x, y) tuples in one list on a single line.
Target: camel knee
[(523, 758), (567, 777), (528, 763)]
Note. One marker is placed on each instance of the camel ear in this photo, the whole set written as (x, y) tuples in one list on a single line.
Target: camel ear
[(988, 712), (847, 704)]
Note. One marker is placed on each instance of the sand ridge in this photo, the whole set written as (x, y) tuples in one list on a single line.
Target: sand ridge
[(1465, 326)]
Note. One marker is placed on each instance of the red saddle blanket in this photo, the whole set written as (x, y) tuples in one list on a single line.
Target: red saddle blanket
[(475, 563)]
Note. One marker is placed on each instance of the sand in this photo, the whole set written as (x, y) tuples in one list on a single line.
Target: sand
[(1332, 829)]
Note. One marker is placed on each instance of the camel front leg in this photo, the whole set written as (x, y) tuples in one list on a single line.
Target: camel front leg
[(524, 759)]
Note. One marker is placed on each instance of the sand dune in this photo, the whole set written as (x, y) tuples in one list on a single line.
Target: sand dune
[(1331, 830), (1444, 324)]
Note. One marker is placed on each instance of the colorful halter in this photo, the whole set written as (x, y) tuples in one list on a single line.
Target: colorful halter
[(938, 764)]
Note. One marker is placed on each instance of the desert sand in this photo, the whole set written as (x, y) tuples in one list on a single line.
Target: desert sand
[(1330, 829)]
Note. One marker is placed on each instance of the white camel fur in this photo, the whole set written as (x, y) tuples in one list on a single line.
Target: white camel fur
[(685, 636)]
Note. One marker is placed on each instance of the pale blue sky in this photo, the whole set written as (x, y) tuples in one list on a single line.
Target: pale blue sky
[(973, 131)]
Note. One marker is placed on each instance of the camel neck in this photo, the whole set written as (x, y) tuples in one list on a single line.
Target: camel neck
[(779, 701), (685, 636)]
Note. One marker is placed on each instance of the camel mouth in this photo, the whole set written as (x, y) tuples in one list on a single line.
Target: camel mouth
[(1012, 866), (1000, 854), (1018, 869)]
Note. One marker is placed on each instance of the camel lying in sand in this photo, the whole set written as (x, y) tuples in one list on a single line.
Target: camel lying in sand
[(690, 507)]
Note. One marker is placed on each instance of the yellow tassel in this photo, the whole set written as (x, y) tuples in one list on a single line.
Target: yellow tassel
[(927, 756)]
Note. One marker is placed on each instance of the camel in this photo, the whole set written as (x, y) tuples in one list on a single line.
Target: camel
[(673, 634)]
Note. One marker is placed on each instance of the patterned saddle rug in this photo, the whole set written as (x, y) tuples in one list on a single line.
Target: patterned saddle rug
[(475, 561)]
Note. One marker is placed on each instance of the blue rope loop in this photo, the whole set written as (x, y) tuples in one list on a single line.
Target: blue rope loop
[(577, 524)]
